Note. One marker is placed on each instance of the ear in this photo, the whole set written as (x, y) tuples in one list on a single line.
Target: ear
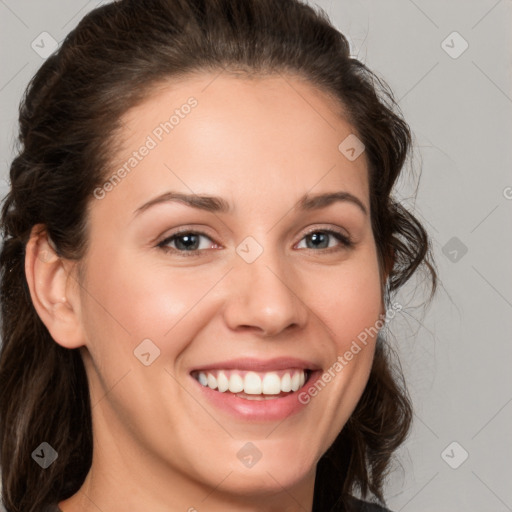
[(53, 289)]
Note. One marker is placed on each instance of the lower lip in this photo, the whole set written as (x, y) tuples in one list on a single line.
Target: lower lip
[(258, 410)]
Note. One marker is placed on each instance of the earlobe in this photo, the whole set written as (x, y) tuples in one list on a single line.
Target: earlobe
[(48, 279)]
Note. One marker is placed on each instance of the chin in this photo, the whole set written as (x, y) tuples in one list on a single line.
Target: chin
[(268, 480), (267, 467)]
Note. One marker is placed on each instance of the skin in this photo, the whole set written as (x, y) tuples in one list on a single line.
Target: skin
[(261, 144)]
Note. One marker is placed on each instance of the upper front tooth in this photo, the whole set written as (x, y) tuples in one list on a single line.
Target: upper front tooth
[(295, 381), (236, 383), (203, 379), (286, 383), (212, 381), (271, 384), (222, 382), (252, 383)]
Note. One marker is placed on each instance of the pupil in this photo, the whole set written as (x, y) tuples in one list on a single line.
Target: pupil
[(190, 242), (319, 237)]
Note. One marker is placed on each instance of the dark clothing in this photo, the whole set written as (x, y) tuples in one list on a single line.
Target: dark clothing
[(353, 505)]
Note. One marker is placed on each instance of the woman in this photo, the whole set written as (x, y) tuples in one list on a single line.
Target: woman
[(200, 248)]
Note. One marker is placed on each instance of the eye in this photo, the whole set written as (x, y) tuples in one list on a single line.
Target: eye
[(187, 242), (320, 239), (190, 243)]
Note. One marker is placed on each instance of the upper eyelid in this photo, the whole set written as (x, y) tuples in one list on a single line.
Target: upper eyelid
[(186, 232), (338, 230)]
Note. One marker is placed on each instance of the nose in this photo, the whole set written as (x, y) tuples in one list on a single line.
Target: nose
[(264, 297)]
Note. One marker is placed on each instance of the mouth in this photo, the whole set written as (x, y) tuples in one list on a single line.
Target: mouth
[(256, 390), (251, 385)]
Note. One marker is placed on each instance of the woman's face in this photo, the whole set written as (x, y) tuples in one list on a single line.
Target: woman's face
[(218, 258)]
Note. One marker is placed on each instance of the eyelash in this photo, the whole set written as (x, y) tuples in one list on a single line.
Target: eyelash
[(346, 242)]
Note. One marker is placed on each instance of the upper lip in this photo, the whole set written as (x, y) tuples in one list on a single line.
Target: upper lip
[(259, 365)]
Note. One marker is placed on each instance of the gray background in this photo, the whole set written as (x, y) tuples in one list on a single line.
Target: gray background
[(457, 354)]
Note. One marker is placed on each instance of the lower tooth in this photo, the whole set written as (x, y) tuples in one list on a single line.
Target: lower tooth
[(256, 397), (248, 397)]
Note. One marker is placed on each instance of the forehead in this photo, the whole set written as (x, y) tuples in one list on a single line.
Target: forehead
[(268, 136)]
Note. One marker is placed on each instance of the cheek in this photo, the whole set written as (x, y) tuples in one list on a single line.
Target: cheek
[(349, 304), (348, 301), (129, 300)]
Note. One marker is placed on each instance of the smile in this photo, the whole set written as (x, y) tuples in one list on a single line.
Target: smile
[(253, 385), (255, 390)]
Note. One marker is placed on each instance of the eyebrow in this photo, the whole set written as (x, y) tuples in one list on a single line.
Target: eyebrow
[(318, 201), (216, 204)]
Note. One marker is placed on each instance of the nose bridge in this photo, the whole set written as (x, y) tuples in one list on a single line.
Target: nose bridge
[(263, 291)]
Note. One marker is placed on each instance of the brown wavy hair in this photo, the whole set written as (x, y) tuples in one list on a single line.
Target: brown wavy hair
[(69, 118)]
